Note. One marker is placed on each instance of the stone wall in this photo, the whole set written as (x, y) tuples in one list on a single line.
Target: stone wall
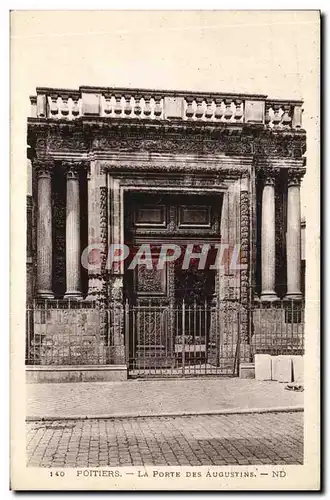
[(278, 329), (69, 337)]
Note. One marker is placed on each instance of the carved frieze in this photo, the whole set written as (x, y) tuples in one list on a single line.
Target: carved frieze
[(195, 138), (288, 145), (245, 259)]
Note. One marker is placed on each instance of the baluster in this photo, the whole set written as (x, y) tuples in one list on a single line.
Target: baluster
[(209, 110), (296, 118), (65, 107), (158, 108), (277, 116), (286, 117), (33, 101), (238, 111), (75, 106), (118, 107), (267, 113), (128, 107), (218, 110), (137, 107), (147, 107), (53, 105), (190, 109), (107, 104), (228, 111), (200, 110)]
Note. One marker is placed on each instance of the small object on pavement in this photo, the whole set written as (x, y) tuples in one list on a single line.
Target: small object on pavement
[(294, 387)]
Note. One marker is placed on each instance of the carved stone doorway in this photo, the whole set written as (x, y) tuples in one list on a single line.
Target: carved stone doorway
[(169, 307)]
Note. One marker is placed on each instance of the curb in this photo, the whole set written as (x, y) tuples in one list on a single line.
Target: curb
[(231, 411)]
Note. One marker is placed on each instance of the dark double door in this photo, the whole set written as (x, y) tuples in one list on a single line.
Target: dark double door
[(168, 321), (170, 330)]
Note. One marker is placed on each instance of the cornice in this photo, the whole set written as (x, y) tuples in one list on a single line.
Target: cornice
[(101, 136)]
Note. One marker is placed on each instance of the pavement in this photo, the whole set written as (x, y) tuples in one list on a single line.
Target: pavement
[(241, 439), (156, 398)]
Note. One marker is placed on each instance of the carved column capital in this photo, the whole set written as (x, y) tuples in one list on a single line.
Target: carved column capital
[(44, 168), (295, 176), (72, 169), (269, 176)]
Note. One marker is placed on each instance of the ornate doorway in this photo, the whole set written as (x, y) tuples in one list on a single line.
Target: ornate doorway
[(169, 313)]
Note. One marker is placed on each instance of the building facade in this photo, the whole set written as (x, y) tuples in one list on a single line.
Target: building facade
[(147, 169)]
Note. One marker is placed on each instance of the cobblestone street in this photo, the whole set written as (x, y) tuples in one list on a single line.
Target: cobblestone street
[(268, 438)]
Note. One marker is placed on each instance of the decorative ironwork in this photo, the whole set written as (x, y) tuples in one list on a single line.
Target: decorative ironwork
[(160, 350)]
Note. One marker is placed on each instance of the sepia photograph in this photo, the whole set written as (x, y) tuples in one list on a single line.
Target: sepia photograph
[(165, 175)]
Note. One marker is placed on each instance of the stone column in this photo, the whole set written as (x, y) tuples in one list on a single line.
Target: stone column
[(268, 238), (293, 235), (44, 230), (73, 287)]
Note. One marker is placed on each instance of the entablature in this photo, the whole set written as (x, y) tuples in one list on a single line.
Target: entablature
[(99, 136)]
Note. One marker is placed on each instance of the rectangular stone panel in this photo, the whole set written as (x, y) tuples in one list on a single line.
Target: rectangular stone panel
[(194, 216), (254, 111), (154, 216), (173, 107), (263, 367), (282, 368), (91, 104), (298, 369)]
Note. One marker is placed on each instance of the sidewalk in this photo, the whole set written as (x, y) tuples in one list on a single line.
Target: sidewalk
[(137, 398)]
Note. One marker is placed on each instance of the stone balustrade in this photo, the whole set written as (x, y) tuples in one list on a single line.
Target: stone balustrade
[(64, 104)]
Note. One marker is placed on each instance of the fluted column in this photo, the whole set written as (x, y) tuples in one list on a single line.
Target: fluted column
[(73, 282), (293, 235), (268, 238), (44, 230)]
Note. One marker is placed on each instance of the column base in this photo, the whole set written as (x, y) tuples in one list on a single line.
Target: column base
[(73, 295), (268, 296), (45, 294), (293, 296)]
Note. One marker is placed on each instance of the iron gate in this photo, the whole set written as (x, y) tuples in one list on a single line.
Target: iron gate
[(181, 340)]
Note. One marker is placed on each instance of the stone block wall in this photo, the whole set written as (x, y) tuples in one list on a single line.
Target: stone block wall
[(278, 330), (69, 337)]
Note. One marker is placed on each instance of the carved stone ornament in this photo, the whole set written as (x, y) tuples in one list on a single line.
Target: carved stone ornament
[(295, 176), (43, 167), (104, 224), (192, 137), (269, 176), (244, 260), (73, 168)]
